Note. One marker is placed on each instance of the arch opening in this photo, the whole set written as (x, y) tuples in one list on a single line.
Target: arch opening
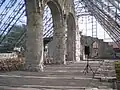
[(52, 27), (71, 37), (95, 49)]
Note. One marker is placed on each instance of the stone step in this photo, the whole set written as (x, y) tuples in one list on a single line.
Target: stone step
[(47, 81), (49, 77), (48, 88), (67, 68), (67, 71), (105, 78), (81, 65), (51, 81), (47, 73), (55, 77), (97, 70), (107, 73)]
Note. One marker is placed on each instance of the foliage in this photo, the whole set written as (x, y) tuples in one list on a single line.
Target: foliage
[(12, 38), (117, 68)]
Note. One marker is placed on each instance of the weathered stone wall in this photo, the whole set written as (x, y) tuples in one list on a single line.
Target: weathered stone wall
[(103, 50)]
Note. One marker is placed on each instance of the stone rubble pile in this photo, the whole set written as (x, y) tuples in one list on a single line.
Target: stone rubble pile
[(10, 62)]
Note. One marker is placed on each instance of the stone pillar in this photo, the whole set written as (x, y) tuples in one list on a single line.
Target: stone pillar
[(71, 46), (71, 38), (101, 49), (74, 44), (65, 24), (34, 43), (70, 49), (59, 41), (82, 44), (78, 45)]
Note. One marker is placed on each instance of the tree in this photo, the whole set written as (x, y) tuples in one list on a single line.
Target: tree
[(12, 38)]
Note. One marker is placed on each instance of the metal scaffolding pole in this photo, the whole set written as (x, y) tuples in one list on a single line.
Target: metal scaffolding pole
[(94, 27)]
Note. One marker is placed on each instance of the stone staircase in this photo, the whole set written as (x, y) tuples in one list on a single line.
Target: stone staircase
[(106, 70), (55, 77)]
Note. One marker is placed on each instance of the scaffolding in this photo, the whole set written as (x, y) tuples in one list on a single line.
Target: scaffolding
[(86, 19), (11, 20), (106, 12)]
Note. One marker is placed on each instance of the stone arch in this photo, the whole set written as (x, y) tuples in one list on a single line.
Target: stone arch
[(70, 18), (58, 27), (95, 47), (56, 10), (95, 44), (71, 27), (34, 12)]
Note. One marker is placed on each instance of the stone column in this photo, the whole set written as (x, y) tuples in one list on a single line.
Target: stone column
[(74, 45), (81, 46), (101, 49), (59, 41), (65, 24), (70, 45), (71, 38), (34, 43), (78, 43)]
